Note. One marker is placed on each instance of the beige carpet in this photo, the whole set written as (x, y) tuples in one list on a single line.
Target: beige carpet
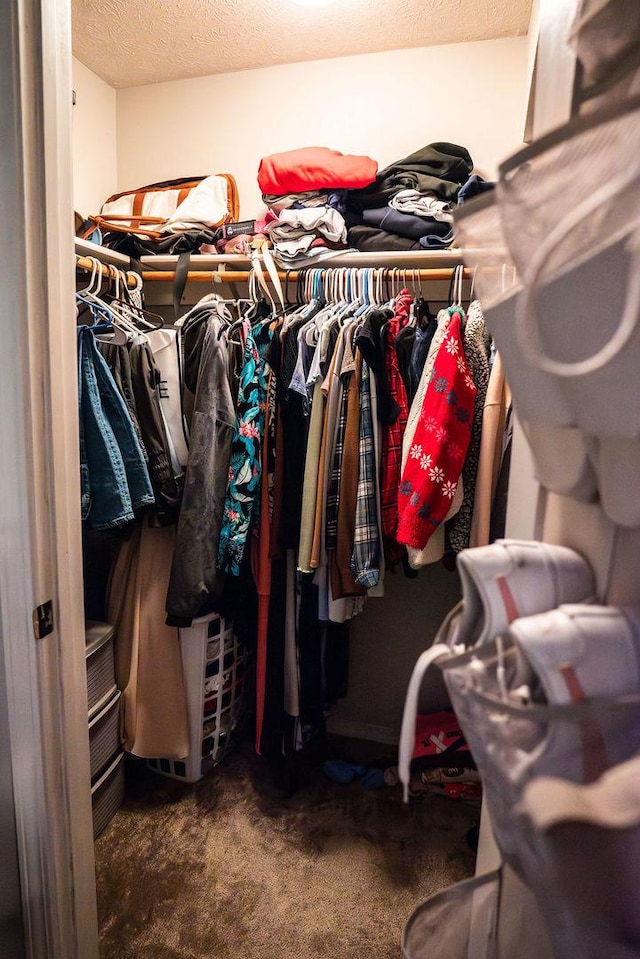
[(228, 869)]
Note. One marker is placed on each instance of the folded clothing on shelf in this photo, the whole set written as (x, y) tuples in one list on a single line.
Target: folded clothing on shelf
[(314, 168), (439, 168), (310, 198), (306, 235), (410, 205)]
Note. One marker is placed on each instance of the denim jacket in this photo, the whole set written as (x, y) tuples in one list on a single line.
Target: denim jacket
[(114, 477)]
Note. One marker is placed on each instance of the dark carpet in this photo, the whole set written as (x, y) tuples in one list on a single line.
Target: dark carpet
[(233, 868)]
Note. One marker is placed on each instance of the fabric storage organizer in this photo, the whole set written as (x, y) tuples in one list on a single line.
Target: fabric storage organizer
[(578, 744), (106, 758), (214, 666), (442, 926)]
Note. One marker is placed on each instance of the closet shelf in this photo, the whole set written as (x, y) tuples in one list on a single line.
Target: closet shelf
[(413, 259), (87, 248)]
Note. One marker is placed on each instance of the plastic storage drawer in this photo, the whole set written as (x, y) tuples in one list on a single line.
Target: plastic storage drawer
[(101, 677), (104, 735), (107, 794)]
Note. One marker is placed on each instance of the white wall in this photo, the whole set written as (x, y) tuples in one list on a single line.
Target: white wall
[(95, 163), (385, 105)]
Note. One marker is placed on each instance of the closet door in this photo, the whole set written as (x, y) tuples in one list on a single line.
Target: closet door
[(45, 805)]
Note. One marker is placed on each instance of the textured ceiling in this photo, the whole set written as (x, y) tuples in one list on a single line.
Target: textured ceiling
[(132, 42)]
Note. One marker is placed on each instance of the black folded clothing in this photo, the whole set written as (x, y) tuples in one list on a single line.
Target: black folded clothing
[(439, 167), (405, 224), (369, 239)]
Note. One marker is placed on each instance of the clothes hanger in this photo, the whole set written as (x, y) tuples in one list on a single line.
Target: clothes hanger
[(95, 310), (96, 270), (123, 314)]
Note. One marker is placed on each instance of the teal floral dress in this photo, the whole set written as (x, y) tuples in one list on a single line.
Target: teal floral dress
[(241, 501)]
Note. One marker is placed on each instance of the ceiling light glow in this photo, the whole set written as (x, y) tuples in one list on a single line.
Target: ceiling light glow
[(313, 3)]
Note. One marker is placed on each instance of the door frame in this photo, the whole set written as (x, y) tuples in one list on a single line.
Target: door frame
[(41, 558)]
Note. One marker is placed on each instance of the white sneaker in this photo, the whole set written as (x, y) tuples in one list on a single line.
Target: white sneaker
[(500, 582), (514, 578), (581, 652)]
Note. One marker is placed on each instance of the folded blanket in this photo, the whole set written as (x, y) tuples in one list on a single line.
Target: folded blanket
[(474, 186), (314, 168)]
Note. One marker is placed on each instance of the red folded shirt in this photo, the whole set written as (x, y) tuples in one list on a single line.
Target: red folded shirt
[(314, 168)]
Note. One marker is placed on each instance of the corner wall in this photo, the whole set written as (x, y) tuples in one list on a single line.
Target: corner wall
[(95, 163), (386, 105)]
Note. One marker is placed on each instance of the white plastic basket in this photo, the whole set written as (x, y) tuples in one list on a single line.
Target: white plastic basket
[(214, 663)]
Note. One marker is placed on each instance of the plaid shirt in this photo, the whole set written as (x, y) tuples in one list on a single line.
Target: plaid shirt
[(365, 559), (333, 492), (392, 434)]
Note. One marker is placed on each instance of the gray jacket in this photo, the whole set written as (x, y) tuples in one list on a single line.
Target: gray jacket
[(195, 582)]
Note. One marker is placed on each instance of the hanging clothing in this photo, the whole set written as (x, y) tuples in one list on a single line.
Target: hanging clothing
[(433, 551), (196, 581), (115, 482), (497, 402), (476, 343), (145, 378), (304, 452), (366, 540), (392, 433), (440, 443), (245, 458), (166, 354), (147, 652)]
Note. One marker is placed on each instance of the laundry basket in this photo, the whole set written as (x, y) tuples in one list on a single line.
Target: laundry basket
[(214, 664)]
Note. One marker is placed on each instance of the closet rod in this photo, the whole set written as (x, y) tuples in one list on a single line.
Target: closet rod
[(242, 276), (89, 264)]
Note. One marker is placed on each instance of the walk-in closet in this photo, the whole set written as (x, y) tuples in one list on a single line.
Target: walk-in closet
[(318, 587)]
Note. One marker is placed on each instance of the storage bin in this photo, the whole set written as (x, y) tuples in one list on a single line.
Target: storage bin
[(104, 735), (214, 664), (101, 671), (107, 795)]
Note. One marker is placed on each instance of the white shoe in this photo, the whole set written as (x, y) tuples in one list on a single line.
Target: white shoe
[(581, 652), (514, 578), (500, 582)]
